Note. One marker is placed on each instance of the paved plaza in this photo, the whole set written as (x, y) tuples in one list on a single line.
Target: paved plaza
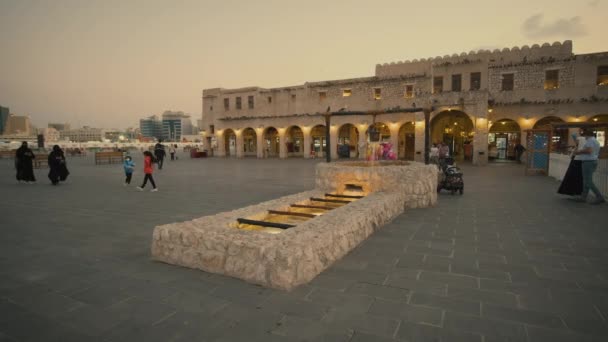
[(508, 261)]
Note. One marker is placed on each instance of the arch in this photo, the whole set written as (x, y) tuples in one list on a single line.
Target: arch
[(382, 131), (271, 142), (455, 129), (407, 140), (504, 135), (348, 141), (560, 135), (229, 142), (250, 142), (294, 138), (317, 134), (546, 121)]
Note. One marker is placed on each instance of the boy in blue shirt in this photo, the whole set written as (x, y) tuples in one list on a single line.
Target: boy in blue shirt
[(128, 165)]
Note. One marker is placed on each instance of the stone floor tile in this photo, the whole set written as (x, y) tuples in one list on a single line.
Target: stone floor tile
[(407, 312), (446, 303), (412, 332), (523, 316), (494, 329)]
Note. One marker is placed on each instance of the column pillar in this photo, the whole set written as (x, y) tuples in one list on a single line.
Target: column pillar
[(334, 142), (419, 134), (282, 143), (306, 141), (259, 137), (480, 141), (221, 145), (240, 151), (362, 143), (394, 128)]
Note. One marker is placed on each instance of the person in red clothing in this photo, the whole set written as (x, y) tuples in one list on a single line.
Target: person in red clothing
[(148, 161)]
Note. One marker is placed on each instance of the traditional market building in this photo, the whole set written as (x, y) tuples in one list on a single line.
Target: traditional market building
[(481, 103)]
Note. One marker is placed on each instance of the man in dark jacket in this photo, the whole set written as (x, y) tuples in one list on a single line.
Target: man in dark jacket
[(159, 153)]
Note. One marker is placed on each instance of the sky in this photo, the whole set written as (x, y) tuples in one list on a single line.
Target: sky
[(109, 63)]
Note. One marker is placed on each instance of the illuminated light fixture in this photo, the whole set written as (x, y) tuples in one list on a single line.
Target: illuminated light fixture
[(595, 119), (490, 110), (455, 123), (450, 109), (503, 122)]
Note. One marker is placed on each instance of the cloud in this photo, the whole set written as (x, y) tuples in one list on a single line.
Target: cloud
[(534, 27)]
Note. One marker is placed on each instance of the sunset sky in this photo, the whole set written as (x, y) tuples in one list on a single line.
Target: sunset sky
[(109, 63)]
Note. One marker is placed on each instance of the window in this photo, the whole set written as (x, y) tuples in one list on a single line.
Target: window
[(409, 91), (211, 129), (293, 97), (226, 104), (551, 79), (475, 80), (377, 93), (437, 84), (457, 82), (269, 99), (250, 102), (211, 108), (238, 102), (322, 95), (347, 92), (602, 75), (507, 82)]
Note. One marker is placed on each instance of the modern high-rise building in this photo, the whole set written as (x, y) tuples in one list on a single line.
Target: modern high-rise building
[(18, 125), (176, 124), (4, 112), (151, 127)]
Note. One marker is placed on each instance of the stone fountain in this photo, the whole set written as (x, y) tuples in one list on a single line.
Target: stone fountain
[(288, 241)]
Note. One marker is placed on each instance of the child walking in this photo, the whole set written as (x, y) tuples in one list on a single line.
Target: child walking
[(148, 161), (128, 165)]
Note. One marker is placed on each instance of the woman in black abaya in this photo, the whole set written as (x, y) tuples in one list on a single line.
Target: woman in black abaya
[(24, 158), (58, 169), (572, 184)]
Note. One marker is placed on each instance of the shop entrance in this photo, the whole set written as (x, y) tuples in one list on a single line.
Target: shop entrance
[(504, 135), (348, 139), (250, 145), (455, 129), (271, 143), (407, 141), (230, 143), (318, 141), (295, 142)]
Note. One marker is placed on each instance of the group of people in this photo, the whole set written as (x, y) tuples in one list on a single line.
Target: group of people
[(149, 160), (439, 151), (578, 180), (24, 163), (58, 171)]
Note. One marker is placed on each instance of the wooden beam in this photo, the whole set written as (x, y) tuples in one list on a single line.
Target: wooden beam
[(311, 206), (264, 223), (328, 200), (343, 196), (291, 213)]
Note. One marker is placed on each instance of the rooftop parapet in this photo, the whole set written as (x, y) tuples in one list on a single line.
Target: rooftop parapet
[(556, 50)]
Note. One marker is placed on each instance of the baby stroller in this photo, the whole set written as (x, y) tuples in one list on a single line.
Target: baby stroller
[(450, 177)]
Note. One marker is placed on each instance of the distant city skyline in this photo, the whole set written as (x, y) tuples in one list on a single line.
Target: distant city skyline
[(110, 63)]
